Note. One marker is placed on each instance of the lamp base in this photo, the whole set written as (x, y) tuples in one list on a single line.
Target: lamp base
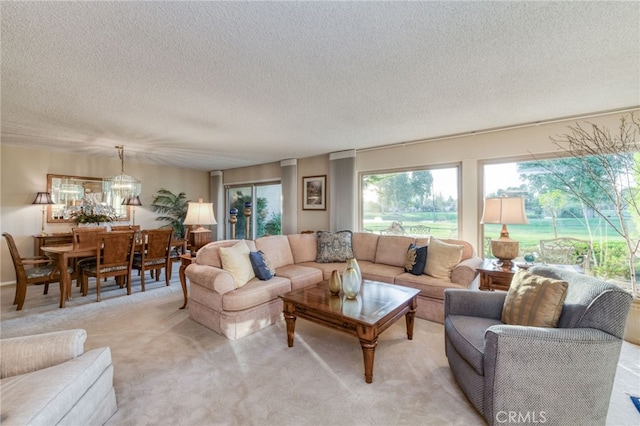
[(505, 249)]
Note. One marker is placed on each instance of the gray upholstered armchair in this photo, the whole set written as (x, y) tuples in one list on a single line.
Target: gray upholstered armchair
[(522, 374)]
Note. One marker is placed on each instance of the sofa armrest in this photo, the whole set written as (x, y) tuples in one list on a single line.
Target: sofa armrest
[(473, 303), (466, 271), (25, 354), (213, 278), (579, 364)]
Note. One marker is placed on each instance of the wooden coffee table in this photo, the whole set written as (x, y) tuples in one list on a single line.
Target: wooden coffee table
[(376, 308)]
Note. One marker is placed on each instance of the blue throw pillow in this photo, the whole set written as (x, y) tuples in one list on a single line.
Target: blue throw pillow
[(416, 259), (261, 265)]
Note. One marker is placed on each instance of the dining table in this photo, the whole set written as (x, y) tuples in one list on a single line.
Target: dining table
[(64, 253)]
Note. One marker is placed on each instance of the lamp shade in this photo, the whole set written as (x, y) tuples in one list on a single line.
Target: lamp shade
[(504, 210), (43, 198), (200, 214), (132, 201)]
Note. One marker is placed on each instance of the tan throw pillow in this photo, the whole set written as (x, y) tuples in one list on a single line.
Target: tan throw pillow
[(534, 300), (235, 260), (442, 259)]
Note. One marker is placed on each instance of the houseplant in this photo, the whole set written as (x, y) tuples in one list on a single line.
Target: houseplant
[(172, 208)]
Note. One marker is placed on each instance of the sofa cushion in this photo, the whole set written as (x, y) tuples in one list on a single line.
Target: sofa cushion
[(261, 265), (380, 272), (442, 259), (416, 259), (277, 250), (334, 246), (365, 245), (300, 276), (235, 260), (304, 247), (429, 286), (392, 250), (534, 300), (255, 293)]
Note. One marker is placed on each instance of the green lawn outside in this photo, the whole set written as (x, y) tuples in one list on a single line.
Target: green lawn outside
[(610, 258)]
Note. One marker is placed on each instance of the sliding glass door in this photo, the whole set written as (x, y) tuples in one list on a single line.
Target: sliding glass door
[(259, 206)]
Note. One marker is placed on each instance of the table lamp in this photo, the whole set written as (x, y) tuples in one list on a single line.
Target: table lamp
[(200, 214), (133, 202), (43, 198), (506, 211)]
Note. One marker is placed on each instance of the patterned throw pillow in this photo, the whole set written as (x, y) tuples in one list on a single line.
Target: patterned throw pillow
[(416, 259), (261, 265), (334, 246), (534, 300)]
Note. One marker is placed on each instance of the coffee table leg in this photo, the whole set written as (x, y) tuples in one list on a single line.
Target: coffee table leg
[(410, 317), (290, 319), (368, 351)]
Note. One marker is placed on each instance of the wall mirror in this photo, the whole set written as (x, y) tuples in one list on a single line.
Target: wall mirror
[(70, 191)]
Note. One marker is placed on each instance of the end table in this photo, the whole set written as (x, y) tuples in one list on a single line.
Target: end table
[(493, 277), (185, 260)]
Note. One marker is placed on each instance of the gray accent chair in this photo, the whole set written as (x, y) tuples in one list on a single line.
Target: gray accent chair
[(519, 374)]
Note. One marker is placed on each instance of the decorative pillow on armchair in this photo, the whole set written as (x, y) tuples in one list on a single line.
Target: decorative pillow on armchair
[(416, 259), (261, 265), (534, 300), (334, 246)]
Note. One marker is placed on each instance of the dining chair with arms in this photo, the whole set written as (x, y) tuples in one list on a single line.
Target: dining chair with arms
[(30, 270), (156, 255), (114, 259)]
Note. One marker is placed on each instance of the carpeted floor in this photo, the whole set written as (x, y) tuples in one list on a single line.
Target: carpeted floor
[(170, 370)]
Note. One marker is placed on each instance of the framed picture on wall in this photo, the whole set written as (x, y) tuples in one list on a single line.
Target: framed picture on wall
[(314, 192)]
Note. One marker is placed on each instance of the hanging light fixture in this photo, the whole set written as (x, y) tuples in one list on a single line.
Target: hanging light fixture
[(122, 186)]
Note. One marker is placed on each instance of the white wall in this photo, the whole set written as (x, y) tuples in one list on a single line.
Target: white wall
[(24, 173)]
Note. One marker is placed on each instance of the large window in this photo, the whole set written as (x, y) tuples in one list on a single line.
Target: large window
[(415, 202), (554, 212), (266, 210)]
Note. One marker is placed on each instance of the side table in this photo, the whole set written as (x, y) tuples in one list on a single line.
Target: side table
[(493, 277), (185, 260)]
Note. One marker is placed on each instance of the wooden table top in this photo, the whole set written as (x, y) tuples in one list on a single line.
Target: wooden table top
[(373, 303)]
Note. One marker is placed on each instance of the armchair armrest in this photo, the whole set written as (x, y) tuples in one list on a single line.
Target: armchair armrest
[(473, 303), (30, 353), (210, 277), (578, 364), (465, 272)]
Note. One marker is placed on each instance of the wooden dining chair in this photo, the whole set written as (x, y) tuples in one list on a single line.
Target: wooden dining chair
[(30, 270), (155, 255), (114, 259), (84, 238)]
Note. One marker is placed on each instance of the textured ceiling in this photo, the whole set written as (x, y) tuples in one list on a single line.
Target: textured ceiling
[(218, 85)]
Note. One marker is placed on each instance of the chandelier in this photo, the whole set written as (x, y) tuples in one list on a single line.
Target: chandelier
[(122, 186)]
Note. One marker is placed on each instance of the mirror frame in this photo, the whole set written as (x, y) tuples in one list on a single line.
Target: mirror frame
[(83, 181)]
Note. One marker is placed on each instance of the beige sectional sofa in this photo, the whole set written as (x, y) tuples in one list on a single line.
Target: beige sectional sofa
[(234, 312)]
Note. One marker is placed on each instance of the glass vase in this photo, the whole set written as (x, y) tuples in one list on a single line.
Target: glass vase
[(351, 283), (335, 283), (353, 263)]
